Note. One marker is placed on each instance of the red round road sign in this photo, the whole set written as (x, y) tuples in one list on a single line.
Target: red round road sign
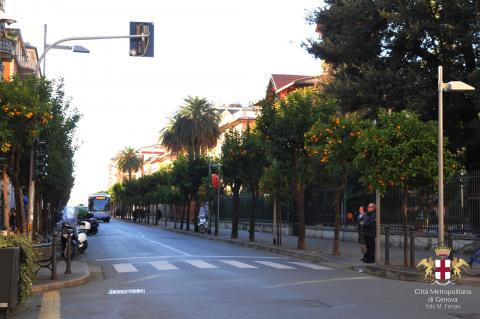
[(215, 180)]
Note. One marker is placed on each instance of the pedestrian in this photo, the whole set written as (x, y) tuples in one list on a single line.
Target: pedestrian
[(159, 216), (361, 234), (12, 219), (369, 229)]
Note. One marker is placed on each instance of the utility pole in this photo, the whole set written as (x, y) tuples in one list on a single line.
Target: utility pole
[(44, 47)]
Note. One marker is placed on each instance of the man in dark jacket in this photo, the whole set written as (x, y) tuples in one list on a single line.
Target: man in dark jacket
[(369, 230), (361, 236)]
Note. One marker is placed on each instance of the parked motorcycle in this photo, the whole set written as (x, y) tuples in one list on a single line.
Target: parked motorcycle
[(82, 230), (79, 241), (66, 229), (93, 226)]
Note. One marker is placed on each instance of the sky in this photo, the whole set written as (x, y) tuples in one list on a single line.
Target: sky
[(222, 50)]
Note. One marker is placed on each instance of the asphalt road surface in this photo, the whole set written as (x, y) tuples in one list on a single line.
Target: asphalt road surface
[(146, 272)]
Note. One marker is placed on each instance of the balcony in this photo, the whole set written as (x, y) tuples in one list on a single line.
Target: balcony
[(7, 49), (26, 64)]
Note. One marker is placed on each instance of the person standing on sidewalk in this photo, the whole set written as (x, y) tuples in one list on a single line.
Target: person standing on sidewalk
[(369, 231), (361, 235)]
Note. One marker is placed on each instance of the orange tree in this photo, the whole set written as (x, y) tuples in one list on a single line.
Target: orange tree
[(332, 141), (283, 124), (252, 164), (25, 110), (401, 151), (231, 172)]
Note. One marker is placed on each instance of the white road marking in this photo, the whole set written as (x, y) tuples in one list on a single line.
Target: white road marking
[(139, 257), (309, 265), (125, 268), (126, 292), (238, 264), (297, 283), (182, 256), (274, 265), (200, 264), (166, 246), (141, 279), (162, 265)]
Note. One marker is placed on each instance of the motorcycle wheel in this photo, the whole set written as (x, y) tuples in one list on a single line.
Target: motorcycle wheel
[(83, 248), (201, 228), (93, 231)]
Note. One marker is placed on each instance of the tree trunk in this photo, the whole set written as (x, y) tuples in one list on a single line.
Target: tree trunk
[(338, 211), (195, 216), (6, 203), (299, 196), (279, 223), (19, 206), (188, 213), (253, 211), (236, 209), (175, 217), (183, 215), (405, 220)]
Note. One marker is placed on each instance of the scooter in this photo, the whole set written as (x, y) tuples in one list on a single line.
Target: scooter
[(202, 223), (68, 230), (93, 226), (82, 230)]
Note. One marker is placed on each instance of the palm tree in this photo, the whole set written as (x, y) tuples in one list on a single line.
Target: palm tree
[(129, 161), (193, 129)]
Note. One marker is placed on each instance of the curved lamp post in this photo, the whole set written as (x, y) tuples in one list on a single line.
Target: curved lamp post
[(453, 86)]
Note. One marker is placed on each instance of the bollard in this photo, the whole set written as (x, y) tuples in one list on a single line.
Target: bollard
[(387, 245), (54, 255), (68, 269), (412, 247)]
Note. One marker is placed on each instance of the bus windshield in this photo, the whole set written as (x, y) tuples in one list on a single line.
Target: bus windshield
[(99, 203)]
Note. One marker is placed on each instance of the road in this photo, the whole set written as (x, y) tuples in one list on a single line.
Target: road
[(146, 272)]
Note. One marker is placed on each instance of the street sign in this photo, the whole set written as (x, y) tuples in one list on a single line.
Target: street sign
[(142, 46)]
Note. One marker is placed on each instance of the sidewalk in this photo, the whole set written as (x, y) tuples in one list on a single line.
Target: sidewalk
[(79, 276), (319, 250)]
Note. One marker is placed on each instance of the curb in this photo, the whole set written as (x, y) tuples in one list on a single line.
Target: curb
[(86, 277), (374, 270)]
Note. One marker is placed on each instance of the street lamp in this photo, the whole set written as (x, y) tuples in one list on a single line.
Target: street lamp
[(75, 48), (453, 86)]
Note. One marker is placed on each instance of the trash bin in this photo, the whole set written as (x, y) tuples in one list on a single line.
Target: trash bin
[(9, 272)]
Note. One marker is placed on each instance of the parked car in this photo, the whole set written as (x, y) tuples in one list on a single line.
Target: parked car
[(102, 216)]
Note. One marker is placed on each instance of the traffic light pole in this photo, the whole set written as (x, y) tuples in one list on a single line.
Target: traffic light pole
[(48, 48)]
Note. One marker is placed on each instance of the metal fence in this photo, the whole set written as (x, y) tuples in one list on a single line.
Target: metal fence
[(462, 206)]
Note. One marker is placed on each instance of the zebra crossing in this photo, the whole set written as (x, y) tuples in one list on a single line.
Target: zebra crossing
[(163, 265)]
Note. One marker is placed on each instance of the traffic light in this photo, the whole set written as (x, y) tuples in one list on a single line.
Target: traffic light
[(41, 159), (142, 46)]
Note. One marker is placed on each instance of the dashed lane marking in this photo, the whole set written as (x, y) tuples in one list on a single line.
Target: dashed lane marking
[(309, 265), (274, 265), (127, 267), (238, 264), (163, 265), (200, 264)]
